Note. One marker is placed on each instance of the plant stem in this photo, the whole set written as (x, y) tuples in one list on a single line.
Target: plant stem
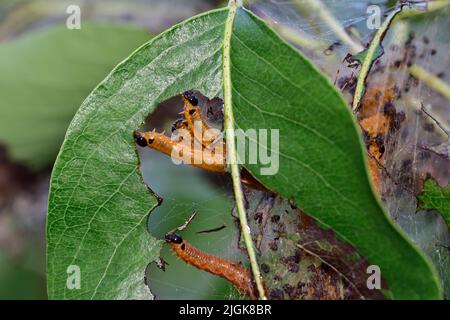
[(331, 21), (231, 149), (431, 6), (369, 58), (430, 80), (298, 38)]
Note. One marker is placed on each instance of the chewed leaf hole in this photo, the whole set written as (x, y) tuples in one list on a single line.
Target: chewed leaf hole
[(185, 189), (298, 258)]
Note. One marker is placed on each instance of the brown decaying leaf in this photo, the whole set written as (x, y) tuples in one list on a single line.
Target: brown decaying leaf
[(300, 259)]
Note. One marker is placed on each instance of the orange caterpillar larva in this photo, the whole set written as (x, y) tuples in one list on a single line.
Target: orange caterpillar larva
[(192, 116), (240, 276), (164, 144), (195, 122)]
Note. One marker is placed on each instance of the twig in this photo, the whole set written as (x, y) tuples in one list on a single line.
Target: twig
[(435, 120), (185, 224), (231, 149), (212, 230)]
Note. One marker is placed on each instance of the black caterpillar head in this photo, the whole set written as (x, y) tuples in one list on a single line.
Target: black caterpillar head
[(173, 238), (190, 96), (140, 140)]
